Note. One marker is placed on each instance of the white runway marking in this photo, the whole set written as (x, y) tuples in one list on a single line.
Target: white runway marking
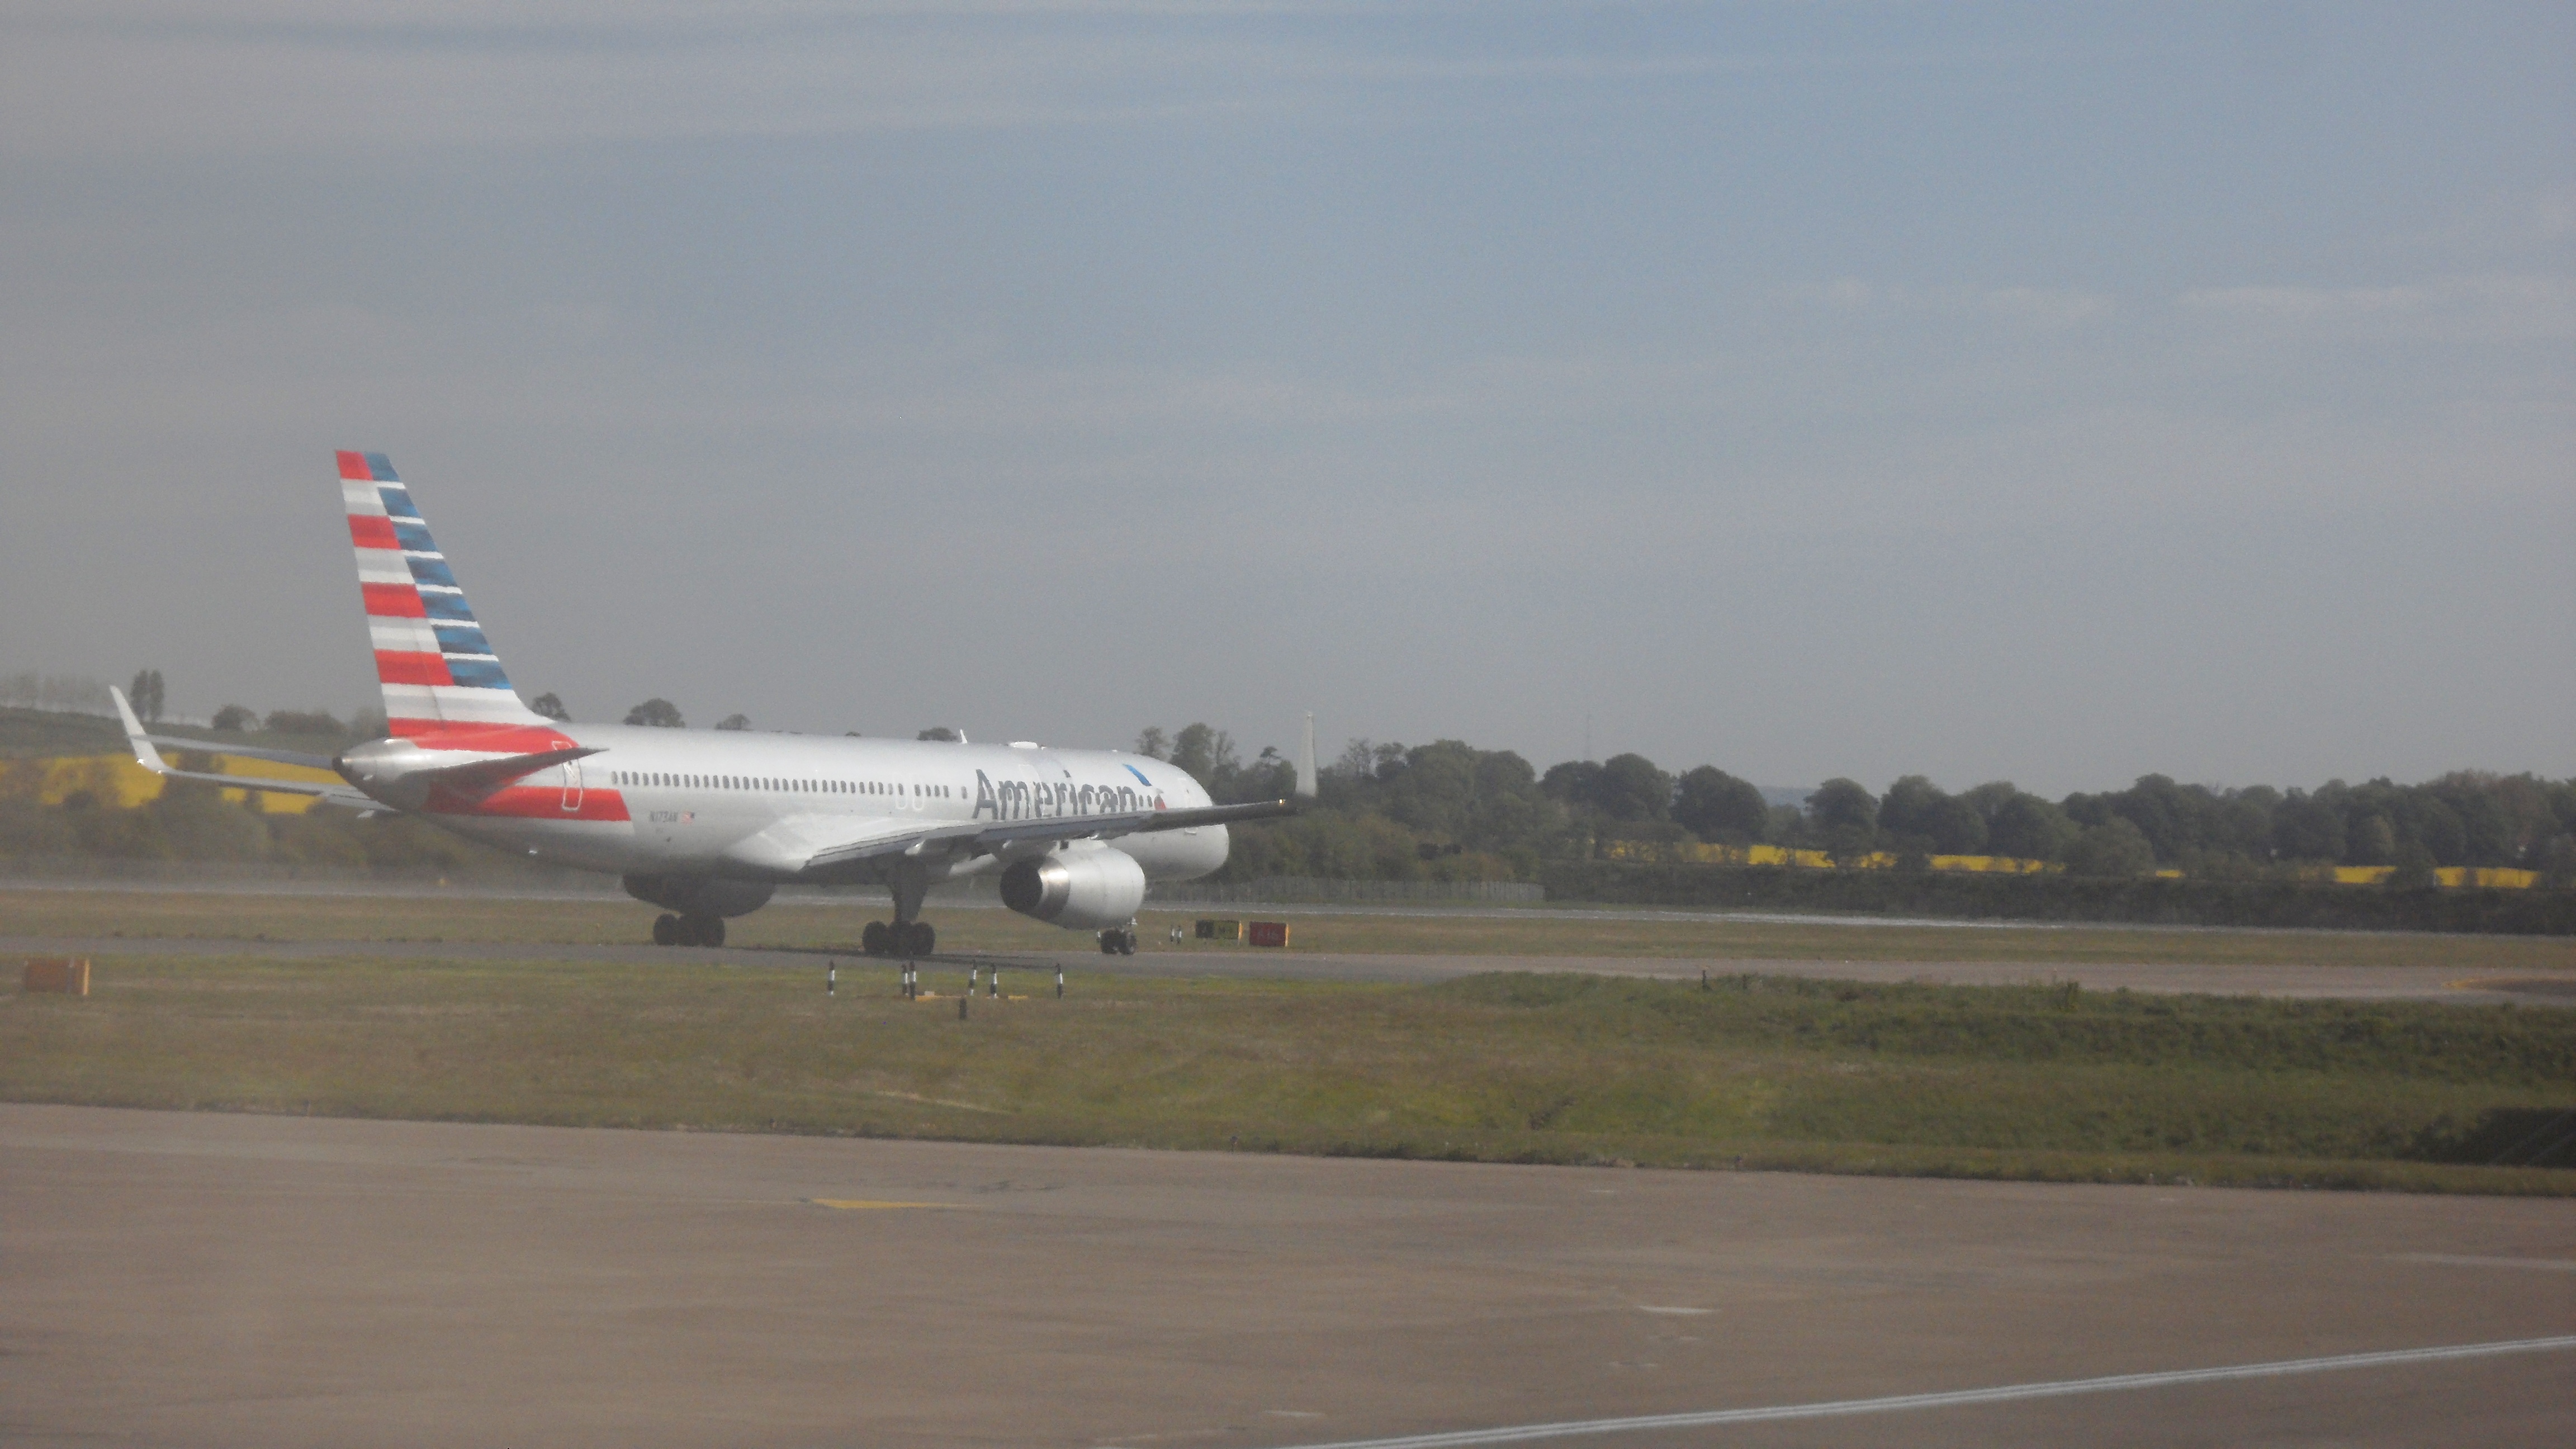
[(2463, 1260), (1523, 1433)]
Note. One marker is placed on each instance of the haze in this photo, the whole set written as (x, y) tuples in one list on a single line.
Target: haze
[(2052, 393)]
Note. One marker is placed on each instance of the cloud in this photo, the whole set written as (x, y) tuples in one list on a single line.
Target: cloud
[(2495, 307), (2042, 308), (294, 79)]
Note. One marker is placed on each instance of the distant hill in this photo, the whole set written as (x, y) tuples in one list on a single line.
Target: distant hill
[(1785, 794)]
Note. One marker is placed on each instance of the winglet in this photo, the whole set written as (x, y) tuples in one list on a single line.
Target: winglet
[(144, 754)]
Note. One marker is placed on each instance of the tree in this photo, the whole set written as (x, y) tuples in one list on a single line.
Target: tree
[(1716, 806), (2414, 870), (233, 717), (941, 733), (2307, 828), (2026, 827), (303, 722), (1905, 808), (734, 722), (1205, 754), (658, 713), (1271, 777), (2115, 847), (146, 695), (1844, 816), (1632, 789), (2372, 840), (551, 705), (1153, 744)]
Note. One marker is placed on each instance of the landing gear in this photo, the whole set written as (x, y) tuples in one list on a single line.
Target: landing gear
[(904, 938), (1118, 941), (670, 930), (907, 935)]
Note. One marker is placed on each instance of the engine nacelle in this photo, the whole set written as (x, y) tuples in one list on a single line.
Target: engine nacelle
[(698, 895), (1088, 890)]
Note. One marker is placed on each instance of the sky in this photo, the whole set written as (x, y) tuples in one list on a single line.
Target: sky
[(2040, 392)]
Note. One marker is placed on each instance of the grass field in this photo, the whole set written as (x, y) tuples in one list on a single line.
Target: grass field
[(252, 915), (2025, 1082)]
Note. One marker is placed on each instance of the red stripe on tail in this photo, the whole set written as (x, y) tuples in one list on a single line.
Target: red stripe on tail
[(393, 667), (354, 465), (394, 601), (373, 531)]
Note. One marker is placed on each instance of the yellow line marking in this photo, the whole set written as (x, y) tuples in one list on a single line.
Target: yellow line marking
[(861, 1204), (2520, 985)]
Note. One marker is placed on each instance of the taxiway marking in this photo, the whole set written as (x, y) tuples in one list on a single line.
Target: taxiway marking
[(2464, 1260), (1523, 1433)]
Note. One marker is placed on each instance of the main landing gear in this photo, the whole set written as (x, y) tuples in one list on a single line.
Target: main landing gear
[(903, 938), (907, 935), (1119, 940), (670, 930)]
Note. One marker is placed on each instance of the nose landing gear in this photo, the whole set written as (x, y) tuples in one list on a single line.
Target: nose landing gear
[(1119, 940)]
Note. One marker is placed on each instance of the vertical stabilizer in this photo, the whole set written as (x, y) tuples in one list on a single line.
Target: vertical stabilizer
[(439, 673)]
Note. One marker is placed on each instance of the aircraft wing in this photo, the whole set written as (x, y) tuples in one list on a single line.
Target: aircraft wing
[(824, 847), (329, 793)]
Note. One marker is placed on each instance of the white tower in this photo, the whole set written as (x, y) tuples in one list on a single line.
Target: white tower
[(1306, 760)]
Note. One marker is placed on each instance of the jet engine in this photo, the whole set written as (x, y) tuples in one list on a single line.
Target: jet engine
[(1087, 890), (697, 895)]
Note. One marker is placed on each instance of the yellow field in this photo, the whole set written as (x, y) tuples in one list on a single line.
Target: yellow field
[(117, 781)]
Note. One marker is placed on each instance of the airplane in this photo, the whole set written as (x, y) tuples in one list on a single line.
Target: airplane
[(708, 825)]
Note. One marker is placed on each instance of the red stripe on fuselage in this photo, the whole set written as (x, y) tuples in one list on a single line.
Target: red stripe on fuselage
[(393, 601), (354, 465), (373, 530), (439, 734), (393, 667), (532, 802)]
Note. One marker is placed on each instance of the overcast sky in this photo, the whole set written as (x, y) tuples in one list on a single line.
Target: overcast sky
[(2049, 392)]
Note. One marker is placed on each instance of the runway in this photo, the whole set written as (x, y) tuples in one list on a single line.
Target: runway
[(2392, 983), (232, 1280)]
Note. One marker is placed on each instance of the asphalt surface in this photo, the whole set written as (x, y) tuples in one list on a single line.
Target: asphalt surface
[(219, 1280), (2396, 983)]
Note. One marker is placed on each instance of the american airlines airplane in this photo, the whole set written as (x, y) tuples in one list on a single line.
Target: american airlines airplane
[(708, 825)]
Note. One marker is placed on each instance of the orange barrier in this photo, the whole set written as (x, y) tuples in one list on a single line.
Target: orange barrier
[(66, 974)]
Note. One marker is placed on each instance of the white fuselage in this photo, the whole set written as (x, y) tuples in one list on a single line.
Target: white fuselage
[(740, 804)]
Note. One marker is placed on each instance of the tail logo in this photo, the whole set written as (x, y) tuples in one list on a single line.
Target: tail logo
[(438, 671)]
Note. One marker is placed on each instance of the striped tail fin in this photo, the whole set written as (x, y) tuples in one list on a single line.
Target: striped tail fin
[(439, 673)]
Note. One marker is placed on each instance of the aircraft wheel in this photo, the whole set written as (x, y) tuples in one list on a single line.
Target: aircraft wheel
[(873, 939), (1127, 943), (666, 930), (921, 939), (704, 931)]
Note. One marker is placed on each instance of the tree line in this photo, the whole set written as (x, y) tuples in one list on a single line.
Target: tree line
[(1448, 810)]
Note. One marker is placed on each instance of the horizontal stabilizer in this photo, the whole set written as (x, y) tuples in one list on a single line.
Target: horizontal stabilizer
[(305, 758), (481, 777), (328, 792)]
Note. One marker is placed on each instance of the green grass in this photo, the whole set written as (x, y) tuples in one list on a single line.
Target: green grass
[(143, 915), (2023, 1082)]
